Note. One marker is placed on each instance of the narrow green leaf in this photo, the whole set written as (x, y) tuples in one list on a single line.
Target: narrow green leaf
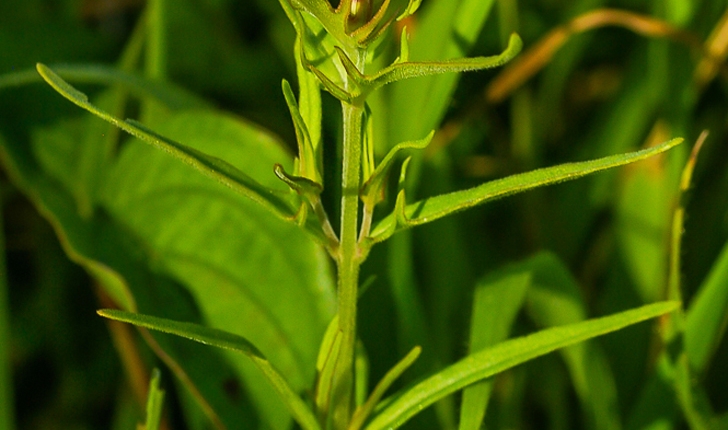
[(406, 70), (433, 208), (412, 323), (351, 70), (302, 185), (410, 10), (446, 29), (213, 167), (361, 375), (221, 339), (387, 380), (306, 154), (368, 161), (325, 366), (498, 298), (373, 187), (404, 54), (707, 316), (656, 406), (327, 343), (171, 96), (330, 86), (555, 299), (155, 402), (309, 101), (504, 356)]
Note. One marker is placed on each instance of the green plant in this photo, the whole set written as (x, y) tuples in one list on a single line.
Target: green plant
[(341, 51)]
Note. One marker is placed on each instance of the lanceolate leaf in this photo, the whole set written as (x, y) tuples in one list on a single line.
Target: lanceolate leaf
[(446, 29), (503, 356), (433, 208), (389, 378), (211, 166), (496, 303), (225, 340), (707, 316), (410, 10), (163, 92), (306, 152), (405, 70), (373, 185), (155, 402)]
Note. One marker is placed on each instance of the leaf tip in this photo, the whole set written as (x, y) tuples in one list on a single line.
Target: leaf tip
[(416, 351), (515, 45), (58, 84), (40, 67)]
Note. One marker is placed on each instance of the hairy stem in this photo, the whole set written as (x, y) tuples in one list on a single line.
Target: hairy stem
[(348, 263)]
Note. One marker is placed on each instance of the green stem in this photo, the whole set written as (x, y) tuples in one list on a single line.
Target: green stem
[(348, 263), (156, 54)]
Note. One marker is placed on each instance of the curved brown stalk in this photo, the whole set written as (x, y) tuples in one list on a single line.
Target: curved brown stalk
[(533, 60)]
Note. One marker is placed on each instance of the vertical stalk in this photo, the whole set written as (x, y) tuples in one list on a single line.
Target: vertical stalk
[(348, 263), (156, 54)]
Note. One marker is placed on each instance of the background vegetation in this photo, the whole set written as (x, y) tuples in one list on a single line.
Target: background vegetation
[(598, 83)]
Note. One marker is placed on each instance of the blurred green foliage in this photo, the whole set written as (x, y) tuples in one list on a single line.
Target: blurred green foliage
[(81, 232)]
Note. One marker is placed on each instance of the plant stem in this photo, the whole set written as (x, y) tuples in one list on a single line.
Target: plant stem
[(348, 263)]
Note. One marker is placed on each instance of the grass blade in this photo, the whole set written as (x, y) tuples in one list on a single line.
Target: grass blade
[(504, 356), (707, 316), (434, 208), (155, 402), (221, 339), (498, 298)]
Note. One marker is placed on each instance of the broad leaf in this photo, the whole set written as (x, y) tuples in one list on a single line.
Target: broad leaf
[(115, 259), (504, 356), (433, 208), (225, 340), (250, 273)]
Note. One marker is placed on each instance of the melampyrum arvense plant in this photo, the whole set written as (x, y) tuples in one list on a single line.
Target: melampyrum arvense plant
[(335, 51)]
